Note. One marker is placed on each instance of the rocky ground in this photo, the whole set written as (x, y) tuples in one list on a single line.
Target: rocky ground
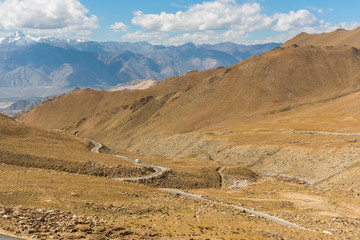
[(56, 224)]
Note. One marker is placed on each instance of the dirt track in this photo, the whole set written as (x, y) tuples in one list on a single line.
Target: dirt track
[(160, 170)]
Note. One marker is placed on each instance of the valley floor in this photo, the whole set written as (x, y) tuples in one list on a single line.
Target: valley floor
[(45, 204)]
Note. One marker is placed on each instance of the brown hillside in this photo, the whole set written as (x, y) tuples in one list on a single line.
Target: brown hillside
[(21, 145), (204, 114), (221, 99), (339, 37)]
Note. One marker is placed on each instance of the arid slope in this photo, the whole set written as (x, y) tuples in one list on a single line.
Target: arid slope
[(339, 37), (26, 146), (205, 114), (224, 98)]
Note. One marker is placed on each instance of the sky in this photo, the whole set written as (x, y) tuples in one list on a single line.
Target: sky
[(175, 22)]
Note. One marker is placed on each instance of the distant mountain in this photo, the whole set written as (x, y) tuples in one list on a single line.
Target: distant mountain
[(241, 52), (23, 105), (29, 64), (19, 107), (133, 85)]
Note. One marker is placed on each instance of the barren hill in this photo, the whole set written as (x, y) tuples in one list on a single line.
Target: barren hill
[(221, 99), (204, 114), (339, 37), (26, 146)]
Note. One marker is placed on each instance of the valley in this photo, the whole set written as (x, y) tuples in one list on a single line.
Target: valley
[(267, 148)]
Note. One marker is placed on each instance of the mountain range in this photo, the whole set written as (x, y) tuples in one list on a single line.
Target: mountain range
[(44, 66)]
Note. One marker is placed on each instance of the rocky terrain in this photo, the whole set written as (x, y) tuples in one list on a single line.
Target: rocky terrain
[(55, 224)]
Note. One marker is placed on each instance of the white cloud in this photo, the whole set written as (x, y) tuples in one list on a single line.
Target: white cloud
[(224, 20), (119, 27), (216, 15), (152, 37), (198, 37), (291, 20), (209, 37), (62, 17)]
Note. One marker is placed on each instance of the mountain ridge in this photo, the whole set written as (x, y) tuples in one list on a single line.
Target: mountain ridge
[(220, 99), (339, 37), (27, 62), (272, 87)]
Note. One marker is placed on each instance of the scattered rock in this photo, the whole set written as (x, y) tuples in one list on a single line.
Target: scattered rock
[(56, 224)]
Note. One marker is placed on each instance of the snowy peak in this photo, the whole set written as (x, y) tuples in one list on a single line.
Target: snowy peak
[(19, 39), (19, 34)]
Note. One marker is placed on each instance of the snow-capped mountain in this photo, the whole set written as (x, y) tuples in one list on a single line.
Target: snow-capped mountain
[(19, 39), (27, 62)]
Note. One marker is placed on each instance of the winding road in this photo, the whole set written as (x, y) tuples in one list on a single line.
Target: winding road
[(160, 170), (252, 212)]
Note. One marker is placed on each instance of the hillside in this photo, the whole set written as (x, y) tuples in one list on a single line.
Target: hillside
[(25, 146), (53, 187), (178, 116), (339, 37), (220, 98)]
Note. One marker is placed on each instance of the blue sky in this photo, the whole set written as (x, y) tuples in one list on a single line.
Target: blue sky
[(174, 22)]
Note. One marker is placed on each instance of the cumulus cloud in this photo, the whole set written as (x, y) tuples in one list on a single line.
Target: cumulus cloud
[(287, 21), (152, 37), (208, 37), (43, 16), (222, 20), (227, 20), (216, 15), (119, 27)]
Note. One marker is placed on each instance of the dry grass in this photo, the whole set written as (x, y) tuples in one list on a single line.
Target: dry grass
[(142, 210), (26, 146), (320, 210)]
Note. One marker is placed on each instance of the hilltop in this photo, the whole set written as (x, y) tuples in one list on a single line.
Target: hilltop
[(339, 37)]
